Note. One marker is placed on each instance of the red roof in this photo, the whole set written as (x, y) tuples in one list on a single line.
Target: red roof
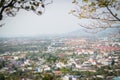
[(108, 48)]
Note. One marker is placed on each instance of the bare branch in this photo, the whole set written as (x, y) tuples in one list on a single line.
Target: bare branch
[(100, 16), (98, 24), (112, 13), (4, 7)]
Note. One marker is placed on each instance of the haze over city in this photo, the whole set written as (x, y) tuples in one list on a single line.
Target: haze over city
[(60, 40)]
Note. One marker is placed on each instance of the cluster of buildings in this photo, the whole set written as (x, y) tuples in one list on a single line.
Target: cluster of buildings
[(81, 55)]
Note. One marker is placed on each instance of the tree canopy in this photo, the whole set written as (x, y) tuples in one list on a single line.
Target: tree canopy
[(11, 7), (101, 14)]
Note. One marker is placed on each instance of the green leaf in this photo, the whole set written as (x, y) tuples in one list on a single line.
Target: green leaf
[(85, 0), (74, 1), (115, 14), (2, 3), (93, 4), (27, 7), (32, 8), (34, 3), (93, 9), (43, 6), (37, 4), (40, 12)]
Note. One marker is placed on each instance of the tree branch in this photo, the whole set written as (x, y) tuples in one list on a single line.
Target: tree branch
[(4, 7), (112, 13)]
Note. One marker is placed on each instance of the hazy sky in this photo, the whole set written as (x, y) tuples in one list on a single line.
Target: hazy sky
[(55, 20)]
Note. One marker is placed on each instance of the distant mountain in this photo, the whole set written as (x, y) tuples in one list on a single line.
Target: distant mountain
[(108, 32), (82, 33)]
